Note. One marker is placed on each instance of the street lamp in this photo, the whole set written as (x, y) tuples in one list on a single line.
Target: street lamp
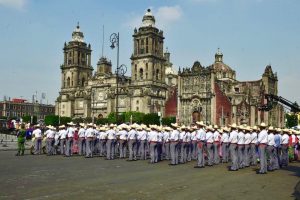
[(93, 105), (120, 70)]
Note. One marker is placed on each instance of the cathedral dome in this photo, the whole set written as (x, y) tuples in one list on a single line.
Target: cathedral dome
[(148, 19), (77, 35)]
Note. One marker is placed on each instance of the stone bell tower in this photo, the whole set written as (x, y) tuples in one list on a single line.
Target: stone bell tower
[(75, 72), (147, 67)]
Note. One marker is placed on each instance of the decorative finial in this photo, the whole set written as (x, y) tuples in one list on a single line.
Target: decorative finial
[(77, 24), (148, 10)]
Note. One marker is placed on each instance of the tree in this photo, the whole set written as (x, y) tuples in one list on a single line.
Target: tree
[(111, 118), (291, 120), (168, 120), (65, 120), (137, 117), (52, 120), (27, 119), (151, 118), (102, 121)]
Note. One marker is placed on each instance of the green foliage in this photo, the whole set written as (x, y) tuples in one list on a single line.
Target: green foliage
[(151, 118), (78, 120), (291, 120), (137, 117), (27, 119), (52, 120), (111, 118), (102, 121), (65, 120), (168, 120)]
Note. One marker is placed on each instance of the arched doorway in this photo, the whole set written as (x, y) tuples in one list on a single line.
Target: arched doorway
[(100, 116), (196, 116)]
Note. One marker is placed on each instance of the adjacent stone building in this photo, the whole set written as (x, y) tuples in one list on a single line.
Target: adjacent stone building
[(214, 95)]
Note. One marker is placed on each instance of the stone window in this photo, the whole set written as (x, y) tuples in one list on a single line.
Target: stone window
[(237, 90), (146, 76), (82, 81), (137, 108), (146, 45), (68, 81), (157, 74), (141, 73)]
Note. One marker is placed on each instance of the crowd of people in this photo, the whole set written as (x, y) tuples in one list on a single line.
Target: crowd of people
[(209, 145)]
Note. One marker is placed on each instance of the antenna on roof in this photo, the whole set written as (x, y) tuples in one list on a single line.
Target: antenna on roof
[(102, 40)]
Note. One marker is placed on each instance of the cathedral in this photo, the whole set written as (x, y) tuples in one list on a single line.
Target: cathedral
[(211, 94)]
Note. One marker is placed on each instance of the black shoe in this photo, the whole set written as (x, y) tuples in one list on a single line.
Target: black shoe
[(172, 164), (17, 154), (198, 166), (233, 170)]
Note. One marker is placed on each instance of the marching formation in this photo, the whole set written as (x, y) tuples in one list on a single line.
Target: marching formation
[(242, 146)]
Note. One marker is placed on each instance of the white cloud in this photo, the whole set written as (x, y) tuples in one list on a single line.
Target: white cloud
[(164, 16), (16, 4), (167, 15)]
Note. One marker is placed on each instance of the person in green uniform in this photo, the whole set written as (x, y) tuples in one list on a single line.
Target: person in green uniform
[(21, 140)]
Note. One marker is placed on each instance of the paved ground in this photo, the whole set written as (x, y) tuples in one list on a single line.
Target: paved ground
[(57, 177)]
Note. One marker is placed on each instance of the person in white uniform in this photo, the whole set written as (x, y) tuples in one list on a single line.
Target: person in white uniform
[(225, 144), (81, 140), (253, 146), (200, 135), (110, 143), (70, 136), (62, 139), (37, 134), (270, 149), (233, 139), (89, 137), (262, 141)]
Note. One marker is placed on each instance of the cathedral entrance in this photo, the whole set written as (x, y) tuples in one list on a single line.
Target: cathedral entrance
[(196, 116)]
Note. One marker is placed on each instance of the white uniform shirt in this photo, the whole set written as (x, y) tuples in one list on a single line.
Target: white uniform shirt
[(188, 137), (262, 137), (50, 134), (209, 137), (63, 134), (111, 134), (201, 135), (293, 139), (97, 133), (71, 132), (217, 136), (160, 137), (241, 138), (271, 140), (253, 138), (225, 138), (102, 135), (153, 136), (37, 133), (141, 135), (89, 132), (81, 133), (47, 133), (174, 135), (166, 136), (247, 138), (233, 137), (132, 134), (123, 134), (182, 135), (285, 139), (194, 136)]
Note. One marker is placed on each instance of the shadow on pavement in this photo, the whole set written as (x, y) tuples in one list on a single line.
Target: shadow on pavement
[(296, 172)]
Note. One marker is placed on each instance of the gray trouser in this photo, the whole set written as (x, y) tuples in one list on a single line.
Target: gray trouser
[(50, 146), (233, 155), (253, 154), (225, 152), (142, 150), (89, 144), (69, 146), (210, 154), (247, 155), (194, 150), (183, 152), (102, 144), (189, 151), (200, 154), (271, 155), (174, 153), (62, 144), (284, 156), (263, 158), (132, 146), (216, 153), (110, 149), (122, 148), (276, 158), (81, 146), (241, 156), (38, 146), (153, 152)]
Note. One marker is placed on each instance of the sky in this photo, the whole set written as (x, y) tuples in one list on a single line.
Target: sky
[(250, 33)]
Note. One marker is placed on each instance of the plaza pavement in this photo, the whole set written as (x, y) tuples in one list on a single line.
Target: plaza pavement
[(57, 177)]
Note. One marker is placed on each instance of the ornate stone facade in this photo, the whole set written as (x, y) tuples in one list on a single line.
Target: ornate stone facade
[(213, 94), (85, 95)]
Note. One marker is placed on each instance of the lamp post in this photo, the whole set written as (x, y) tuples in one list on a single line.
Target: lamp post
[(93, 106), (120, 70)]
